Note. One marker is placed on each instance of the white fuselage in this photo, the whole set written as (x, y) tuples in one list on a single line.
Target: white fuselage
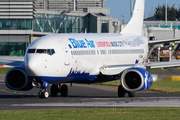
[(79, 55)]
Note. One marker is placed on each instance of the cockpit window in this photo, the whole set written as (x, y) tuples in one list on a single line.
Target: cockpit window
[(41, 51), (50, 51), (46, 51), (31, 51)]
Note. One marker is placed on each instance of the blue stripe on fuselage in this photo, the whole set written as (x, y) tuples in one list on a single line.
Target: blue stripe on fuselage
[(68, 79)]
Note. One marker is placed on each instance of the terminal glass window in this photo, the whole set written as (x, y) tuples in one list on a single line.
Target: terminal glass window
[(4, 24), (115, 23), (15, 24), (105, 26), (13, 48), (21, 24), (59, 23), (92, 23)]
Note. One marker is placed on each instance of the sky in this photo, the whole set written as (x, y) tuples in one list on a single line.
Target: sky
[(118, 8)]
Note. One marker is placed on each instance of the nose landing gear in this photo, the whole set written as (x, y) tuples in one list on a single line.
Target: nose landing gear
[(55, 89), (43, 93)]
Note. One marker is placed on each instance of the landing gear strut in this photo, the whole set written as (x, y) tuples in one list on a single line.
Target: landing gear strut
[(44, 92), (122, 92), (56, 88)]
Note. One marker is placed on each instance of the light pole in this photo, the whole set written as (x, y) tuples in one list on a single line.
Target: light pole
[(166, 13), (170, 49), (159, 54), (74, 5), (123, 18)]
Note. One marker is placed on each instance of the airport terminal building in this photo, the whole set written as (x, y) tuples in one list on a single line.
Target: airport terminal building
[(23, 21)]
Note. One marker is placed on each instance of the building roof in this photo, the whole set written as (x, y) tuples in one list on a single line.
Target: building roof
[(153, 18)]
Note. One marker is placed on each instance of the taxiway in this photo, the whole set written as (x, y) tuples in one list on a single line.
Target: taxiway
[(84, 96)]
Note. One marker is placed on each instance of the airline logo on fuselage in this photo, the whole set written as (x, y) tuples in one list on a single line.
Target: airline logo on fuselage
[(90, 43), (82, 43)]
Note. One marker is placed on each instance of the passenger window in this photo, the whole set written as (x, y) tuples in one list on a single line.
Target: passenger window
[(31, 51), (41, 51)]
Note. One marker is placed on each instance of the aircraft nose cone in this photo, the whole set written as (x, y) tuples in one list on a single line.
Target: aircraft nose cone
[(31, 66)]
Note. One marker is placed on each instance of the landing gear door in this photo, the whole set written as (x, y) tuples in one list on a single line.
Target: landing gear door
[(66, 54)]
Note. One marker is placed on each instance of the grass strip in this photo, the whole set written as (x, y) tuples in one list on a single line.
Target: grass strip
[(166, 86), (94, 114), (161, 86), (4, 70)]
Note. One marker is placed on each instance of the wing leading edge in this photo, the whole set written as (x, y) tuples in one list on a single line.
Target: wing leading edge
[(117, 69), (11, 62), (152, 42)]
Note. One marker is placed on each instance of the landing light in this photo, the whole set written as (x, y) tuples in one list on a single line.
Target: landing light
[(170, 48), (105, 68)]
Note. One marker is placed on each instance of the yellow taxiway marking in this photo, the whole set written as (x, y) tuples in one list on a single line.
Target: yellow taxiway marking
[(5, 91)]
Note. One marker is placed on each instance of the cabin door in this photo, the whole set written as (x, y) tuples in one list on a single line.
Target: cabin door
[(66, 53)]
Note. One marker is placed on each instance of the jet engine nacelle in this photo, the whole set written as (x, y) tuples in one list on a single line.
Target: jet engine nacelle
[(136, 79), (17, 79)]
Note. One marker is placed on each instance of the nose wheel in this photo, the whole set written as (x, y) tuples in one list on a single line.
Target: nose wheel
[(43, 94)]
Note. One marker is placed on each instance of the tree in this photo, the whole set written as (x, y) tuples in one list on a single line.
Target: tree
[(160, 12), (171, 12), (178, 14)]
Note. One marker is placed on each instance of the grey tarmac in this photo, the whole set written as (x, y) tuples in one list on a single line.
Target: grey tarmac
[(84, 96)]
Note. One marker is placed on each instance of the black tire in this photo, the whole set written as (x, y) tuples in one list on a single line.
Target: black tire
[(43, 94), (121, 91), (64, 90), (40, 94), (54, 90), (131, 94)]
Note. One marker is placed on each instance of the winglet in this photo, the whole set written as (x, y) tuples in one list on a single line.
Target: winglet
[(135, 25)]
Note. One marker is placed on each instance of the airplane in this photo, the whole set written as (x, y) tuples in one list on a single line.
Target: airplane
[(88, 58)]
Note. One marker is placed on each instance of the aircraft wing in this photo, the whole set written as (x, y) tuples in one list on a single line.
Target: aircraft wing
[(151, 42), (117, 69), (169, 64), (11, 62)]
